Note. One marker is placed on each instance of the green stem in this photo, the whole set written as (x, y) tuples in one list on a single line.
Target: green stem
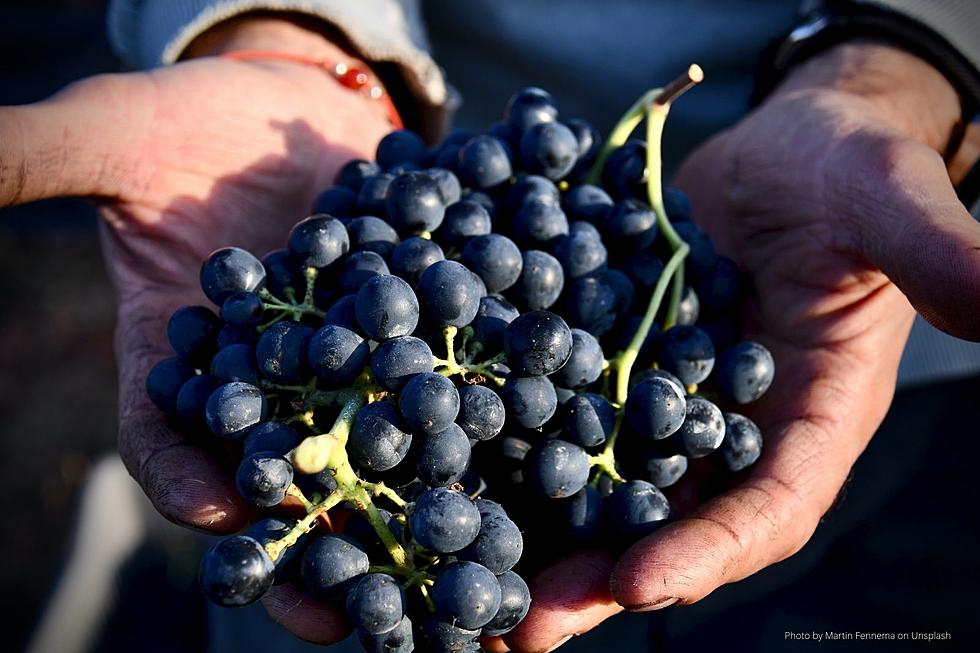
[(294, 491), (621, 133), (302, 527), (310, 273)]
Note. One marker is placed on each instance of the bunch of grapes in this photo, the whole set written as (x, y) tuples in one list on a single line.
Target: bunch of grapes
[(453, 332)]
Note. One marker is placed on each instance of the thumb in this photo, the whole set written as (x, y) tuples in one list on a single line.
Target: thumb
[(78, 142), (900, 203)]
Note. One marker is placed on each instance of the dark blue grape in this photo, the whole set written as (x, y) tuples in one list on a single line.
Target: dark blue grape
[(540, 224), (275, 437), (582, 514), (587, 202), (481, 412), (401, 146), (336, 201), (484, 162), (231, 334), (164, 381), (530, 400), (581, 252), (537, 343), (484, 200), (399, 639), (721, 288), (230, 270), (591, 304), (644, 269), (742, 445), (268, 530), (374, 191), (243, 309), (235, 363), (655, 408), (529, 188), (444, 520), (370, 234), (744, 372), (584, 365), (676, 204), (559, 469), (493, 316), (635, 509), (387, 308), (450, 190), (446, 637), (379, 439), (332, 564), (318, 241), (414, 203), (236, 571), (429, 402), (630, 224), (413, 256), (397, 360), (358, 268), (343, 313), (234, 408), (281, 352), (549, 149), (450, 293), (625, 171), (496, 259), (464, 220), (192, 400), (281, 273), (192, 332), (515, 601), (376, 604), (702, 257), (689, 308), (528, 107), (688, 352), (663, 471), (703, 429), (443, 458), (541, 280), (337, 355), (353, 173), (263, 478), (588, 419), (466, 594), (589, 142), (498, 546)]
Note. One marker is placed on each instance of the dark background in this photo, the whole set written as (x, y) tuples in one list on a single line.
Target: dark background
[(898, 554)]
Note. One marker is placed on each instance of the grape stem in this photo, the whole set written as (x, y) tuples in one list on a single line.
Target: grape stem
[(449, 366), (272, 303), (294, 491)]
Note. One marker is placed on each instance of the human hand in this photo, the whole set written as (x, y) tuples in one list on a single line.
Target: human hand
[(832, 196), (186, 159)]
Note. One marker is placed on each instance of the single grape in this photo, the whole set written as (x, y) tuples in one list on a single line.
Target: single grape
[(481, 412), (589, 142), (702, 257), (374, 190), (443, 458), (703, 429), (644, 269), (689, 308), (236, 571), (444, 520), (268, 530), (528, 107), (655, 408), (550, 149), (622, 288), (591, 304), (744, 372), (530, 400), (263, 478), (676, 204), (515, 601), (492, 318), (414, 203), (688, 352), (281, 272), (466, 594), (353, 173), (336, 201), (243, 309), (360, 267), (231, 334), (499, 544), (387, 308), (529, 188), (396, 361), (450, 190), (318, 241), (274, 437), (343, 312), (413, 256), (664, 471), (233, 408), (376, 604), (164, 382), (429, 402), (484, 162), (282, 352), (337, 355), (399, 639), (450, 294), (721, 288), (446, 637), (630, 224), (559, 469), (584, 365), (332, 564), (379, 439), (192, 332), (230, 270), (588, 419), (540, 282), (192, 400), (635, 509), (625, 172), (540, 224), (372, 234), (742, 445), (582, 514), (496, 259), (582, 251), (401, 146), (235, 363), (537, 343), (463, 221), (587, 202)]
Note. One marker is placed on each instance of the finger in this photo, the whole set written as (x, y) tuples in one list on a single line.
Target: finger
[(898, 198), (307, 618), (185, 483), (569, 598), (77, 142)]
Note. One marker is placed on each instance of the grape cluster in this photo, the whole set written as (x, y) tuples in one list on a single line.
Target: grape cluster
[(452, 331)]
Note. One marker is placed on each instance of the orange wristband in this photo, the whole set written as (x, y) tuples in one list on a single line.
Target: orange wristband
[(348, 76)]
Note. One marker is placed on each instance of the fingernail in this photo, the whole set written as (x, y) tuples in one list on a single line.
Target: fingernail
[(653, 605)]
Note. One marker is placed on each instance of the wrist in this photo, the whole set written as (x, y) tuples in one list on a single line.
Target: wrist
[(902, 89), (261, 31)]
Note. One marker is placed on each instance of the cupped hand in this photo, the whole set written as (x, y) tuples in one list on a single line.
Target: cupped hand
[(185, 159), (832, 197)]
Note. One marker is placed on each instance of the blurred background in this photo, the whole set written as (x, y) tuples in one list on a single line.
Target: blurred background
[(897, 554)]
